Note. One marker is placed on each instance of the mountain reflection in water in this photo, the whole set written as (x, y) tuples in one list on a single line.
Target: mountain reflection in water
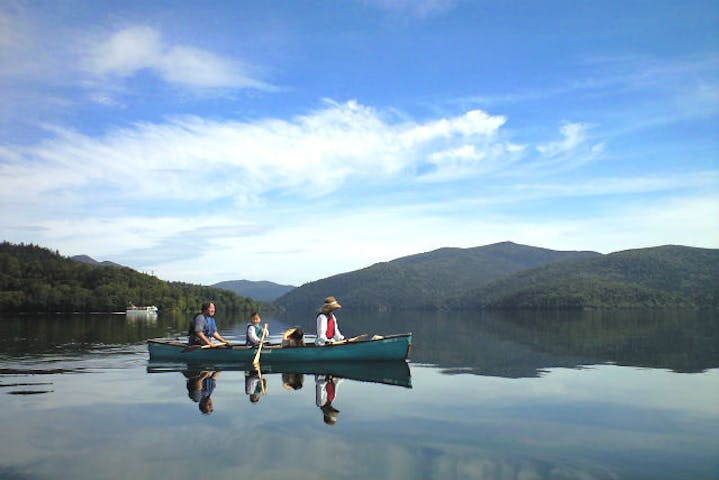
[(524, 344), (201, 379), (491, 395)]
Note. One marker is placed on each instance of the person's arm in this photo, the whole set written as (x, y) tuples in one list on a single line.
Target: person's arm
[(199, 326), (338, 334), (219, 337), (321, 329), (200, 379), (202, 337), (320, 392)]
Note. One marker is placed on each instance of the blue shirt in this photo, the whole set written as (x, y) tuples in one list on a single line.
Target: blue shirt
[(201, 323)]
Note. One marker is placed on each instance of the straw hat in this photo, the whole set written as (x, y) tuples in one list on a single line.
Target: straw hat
[(330, 413), (330, 304)]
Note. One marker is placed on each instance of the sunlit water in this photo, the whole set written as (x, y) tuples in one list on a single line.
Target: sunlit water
[(624, 395)]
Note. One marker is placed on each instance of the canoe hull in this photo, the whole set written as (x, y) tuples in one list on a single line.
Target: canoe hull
[(391, 347), (391, 372)]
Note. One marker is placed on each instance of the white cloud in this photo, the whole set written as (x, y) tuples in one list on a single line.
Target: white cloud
[(315, 154), (126, 52), (573, 133), (168, 197)]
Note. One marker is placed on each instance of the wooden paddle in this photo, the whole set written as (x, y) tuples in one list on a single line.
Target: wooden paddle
[(262, 381), (349, 340), (192, 348), (256, 361)]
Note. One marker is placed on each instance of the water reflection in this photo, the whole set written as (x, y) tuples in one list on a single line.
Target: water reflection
[(519, 344), (200, 385), (505, 344), (201, 380), (255, 385), (325, 392), (513, 415)]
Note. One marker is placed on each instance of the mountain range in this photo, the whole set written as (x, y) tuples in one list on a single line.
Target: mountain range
[(87, 260), (500, 276), (511, 276), (258, 290)]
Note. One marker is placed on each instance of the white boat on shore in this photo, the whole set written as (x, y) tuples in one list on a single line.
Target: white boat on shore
[(133, 311)]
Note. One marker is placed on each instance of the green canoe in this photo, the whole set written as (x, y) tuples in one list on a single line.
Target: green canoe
[(391, 347)]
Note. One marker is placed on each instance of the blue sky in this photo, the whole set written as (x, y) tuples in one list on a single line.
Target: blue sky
[(293, 140)]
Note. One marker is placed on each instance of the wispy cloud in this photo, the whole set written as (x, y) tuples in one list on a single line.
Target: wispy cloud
[(573, 133), (610, 76), (126, 52), (310, 155), (416, 8)]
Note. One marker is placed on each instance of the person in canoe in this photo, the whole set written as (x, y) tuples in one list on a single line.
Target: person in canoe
[(203, 328), (328, 330), (293, 337), (254, 330)]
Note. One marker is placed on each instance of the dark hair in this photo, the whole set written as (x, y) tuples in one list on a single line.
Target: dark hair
[(206, 305), (205, 406)]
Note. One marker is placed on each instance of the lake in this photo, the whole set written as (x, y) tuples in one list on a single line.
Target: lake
[(497, 395)]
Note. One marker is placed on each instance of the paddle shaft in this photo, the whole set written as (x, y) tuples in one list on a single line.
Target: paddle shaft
[(262, 380), (192, 348), (256, 361)]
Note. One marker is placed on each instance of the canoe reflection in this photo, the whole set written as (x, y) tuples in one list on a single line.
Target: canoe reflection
[(389, 373), (202, 379)]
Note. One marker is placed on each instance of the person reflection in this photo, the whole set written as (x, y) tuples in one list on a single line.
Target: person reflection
[(292, 381), (325, 393), (200, 385), (254, 385)]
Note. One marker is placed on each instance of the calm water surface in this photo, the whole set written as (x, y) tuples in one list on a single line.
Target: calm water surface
[(612, 395)]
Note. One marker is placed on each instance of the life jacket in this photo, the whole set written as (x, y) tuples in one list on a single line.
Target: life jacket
[(330, 389), (258, 332), (208, 330), (330, 326)]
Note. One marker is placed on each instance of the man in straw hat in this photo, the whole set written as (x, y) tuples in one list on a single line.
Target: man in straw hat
[(328, 330)]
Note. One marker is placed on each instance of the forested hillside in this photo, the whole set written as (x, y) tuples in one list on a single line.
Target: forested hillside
[(427, 280), (35, 279), (660, 277), (258, 290)]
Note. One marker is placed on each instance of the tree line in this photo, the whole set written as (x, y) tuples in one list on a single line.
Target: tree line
[(36, 279)]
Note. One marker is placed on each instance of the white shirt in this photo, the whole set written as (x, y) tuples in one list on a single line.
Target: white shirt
[(322, 330), (252, 334), (320, 390)]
